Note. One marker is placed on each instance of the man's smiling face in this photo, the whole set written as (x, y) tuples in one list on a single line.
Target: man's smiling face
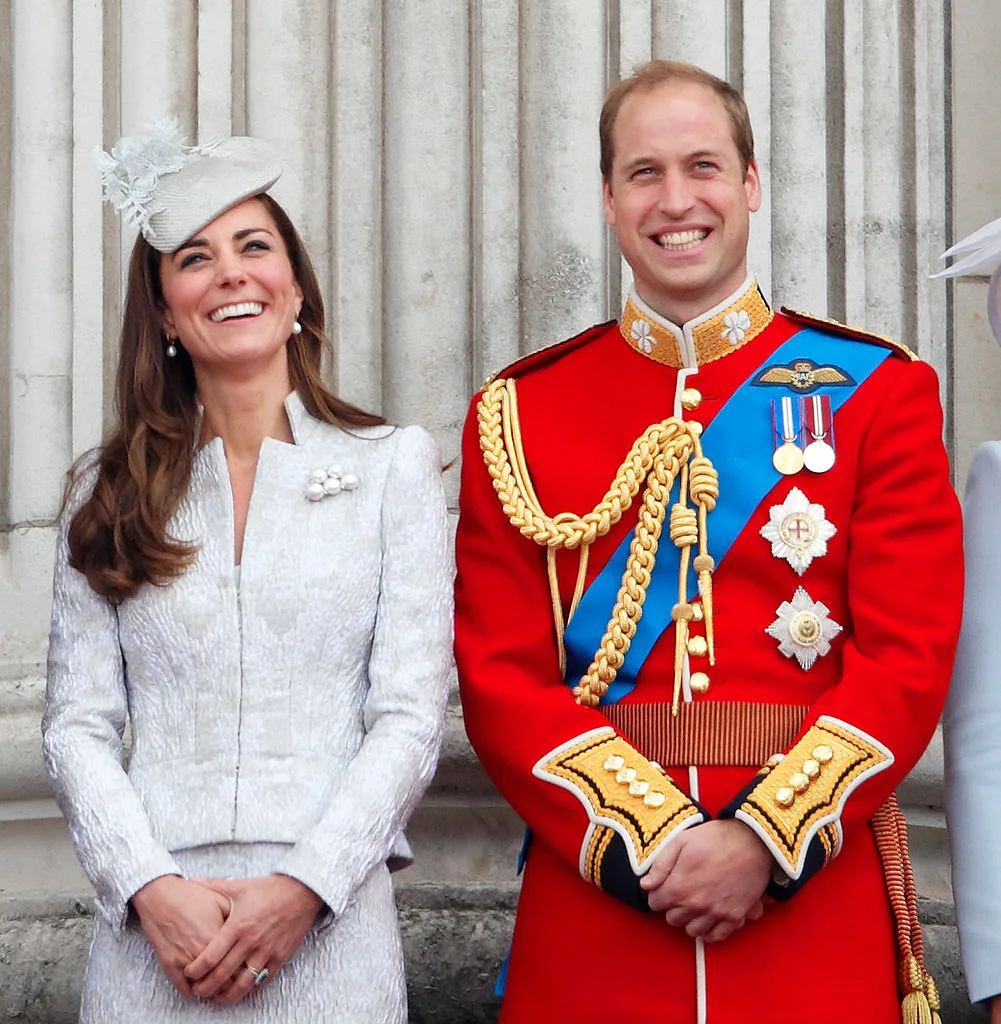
[(679, 200)]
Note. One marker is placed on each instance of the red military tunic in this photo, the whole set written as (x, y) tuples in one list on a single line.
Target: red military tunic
[(891, 577)]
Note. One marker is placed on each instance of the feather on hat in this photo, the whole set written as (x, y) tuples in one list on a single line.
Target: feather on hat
[(980, 253), (170, 190)]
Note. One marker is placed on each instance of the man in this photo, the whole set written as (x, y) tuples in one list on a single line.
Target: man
[(700, 752)]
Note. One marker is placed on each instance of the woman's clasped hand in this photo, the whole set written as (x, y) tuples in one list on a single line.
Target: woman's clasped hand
[(215, 937)]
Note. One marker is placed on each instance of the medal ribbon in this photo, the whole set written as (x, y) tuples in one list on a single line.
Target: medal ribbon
[(787, 427), (818, 416), (739, 440)]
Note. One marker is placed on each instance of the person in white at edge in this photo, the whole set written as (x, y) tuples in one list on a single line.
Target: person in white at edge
[(256, 575), (972, 721)]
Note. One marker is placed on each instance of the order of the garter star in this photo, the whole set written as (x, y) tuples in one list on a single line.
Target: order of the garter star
[(798, 530)]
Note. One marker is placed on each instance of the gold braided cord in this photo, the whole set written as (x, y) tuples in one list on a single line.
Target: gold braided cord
[(654, 462), (920, 999), (497, 417)]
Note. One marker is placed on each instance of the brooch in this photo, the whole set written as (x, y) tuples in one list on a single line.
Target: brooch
[(324, 483)]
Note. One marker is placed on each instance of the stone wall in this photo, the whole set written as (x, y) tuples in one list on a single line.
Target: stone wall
[(442, 165)]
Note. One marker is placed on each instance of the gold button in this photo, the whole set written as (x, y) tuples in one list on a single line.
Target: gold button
[(639, 787), (811, 768), (654, 799), (799, 782), (697, 427), (699, 682), (697, 646), (691, 398), (625, 775), (697, 612), (614, 762), (784, 797), (823, 754)]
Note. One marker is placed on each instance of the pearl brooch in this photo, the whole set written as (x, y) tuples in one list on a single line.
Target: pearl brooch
[(328, 482)]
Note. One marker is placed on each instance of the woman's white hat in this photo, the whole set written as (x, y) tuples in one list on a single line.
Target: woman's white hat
[(171, 190), (980, 253)]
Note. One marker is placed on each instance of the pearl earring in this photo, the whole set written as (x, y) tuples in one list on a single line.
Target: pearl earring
[(296, 327), (171, 348)]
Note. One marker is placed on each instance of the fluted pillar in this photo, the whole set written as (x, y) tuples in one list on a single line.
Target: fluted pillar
[(442, 165)]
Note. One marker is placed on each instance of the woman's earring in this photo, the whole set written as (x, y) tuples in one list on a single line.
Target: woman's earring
[(171, 347), (296, 327)]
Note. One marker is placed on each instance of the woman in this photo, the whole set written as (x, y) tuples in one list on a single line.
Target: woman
[(972, 721), (256, 575)]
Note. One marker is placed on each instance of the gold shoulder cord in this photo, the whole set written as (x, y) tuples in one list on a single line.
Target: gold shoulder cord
[(662, 452)]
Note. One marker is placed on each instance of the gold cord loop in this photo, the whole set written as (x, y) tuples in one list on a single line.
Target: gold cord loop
[(662, 452)]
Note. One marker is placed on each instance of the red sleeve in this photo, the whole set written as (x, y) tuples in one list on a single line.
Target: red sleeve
[(904, 588)]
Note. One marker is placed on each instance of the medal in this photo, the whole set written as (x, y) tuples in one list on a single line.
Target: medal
[(788, 459), (819, 454), (788, 456)]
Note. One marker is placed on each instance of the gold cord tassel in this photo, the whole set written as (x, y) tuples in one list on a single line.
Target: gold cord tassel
[(914, 1007), (682, 614), (919, 996), (934, 1001)]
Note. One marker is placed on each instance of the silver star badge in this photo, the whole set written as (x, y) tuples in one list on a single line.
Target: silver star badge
[(798, 530), (803, 629)]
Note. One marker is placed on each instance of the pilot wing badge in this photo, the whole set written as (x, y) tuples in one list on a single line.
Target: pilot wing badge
[(803, 376)]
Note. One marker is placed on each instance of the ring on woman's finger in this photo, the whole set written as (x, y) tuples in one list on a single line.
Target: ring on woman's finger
[(260, 976)]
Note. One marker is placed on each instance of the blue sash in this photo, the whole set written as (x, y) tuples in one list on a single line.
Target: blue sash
[(740, 443)]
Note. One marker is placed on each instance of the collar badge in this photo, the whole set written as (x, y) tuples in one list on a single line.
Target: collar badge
[(736, 324), (642, 334)]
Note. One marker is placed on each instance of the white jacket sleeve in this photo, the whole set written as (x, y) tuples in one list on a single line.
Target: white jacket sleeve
[(85, 711), (408, 673), (972, 733)]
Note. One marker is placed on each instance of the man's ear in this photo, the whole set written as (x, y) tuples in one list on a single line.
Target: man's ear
[(752, 186), (607, 202)]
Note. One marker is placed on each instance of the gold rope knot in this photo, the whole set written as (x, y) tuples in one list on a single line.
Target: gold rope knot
[(684, 526), (703, 482), (659, 455)]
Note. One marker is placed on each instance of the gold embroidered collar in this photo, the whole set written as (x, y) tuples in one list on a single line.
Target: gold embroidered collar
[(716, 333)]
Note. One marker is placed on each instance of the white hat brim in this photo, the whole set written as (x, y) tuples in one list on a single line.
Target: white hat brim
[(207, 186)]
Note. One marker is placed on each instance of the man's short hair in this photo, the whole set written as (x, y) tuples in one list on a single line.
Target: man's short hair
[(665, 72)]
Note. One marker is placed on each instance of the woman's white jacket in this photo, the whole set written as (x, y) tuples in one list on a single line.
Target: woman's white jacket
[(972, 733), (302, 704)]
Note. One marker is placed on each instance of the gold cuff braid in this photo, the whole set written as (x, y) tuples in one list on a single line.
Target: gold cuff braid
[(664, 451), (804, 794), (622, 791)]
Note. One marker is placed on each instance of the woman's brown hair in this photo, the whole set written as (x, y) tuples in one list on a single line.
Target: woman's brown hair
[(118, 538)]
